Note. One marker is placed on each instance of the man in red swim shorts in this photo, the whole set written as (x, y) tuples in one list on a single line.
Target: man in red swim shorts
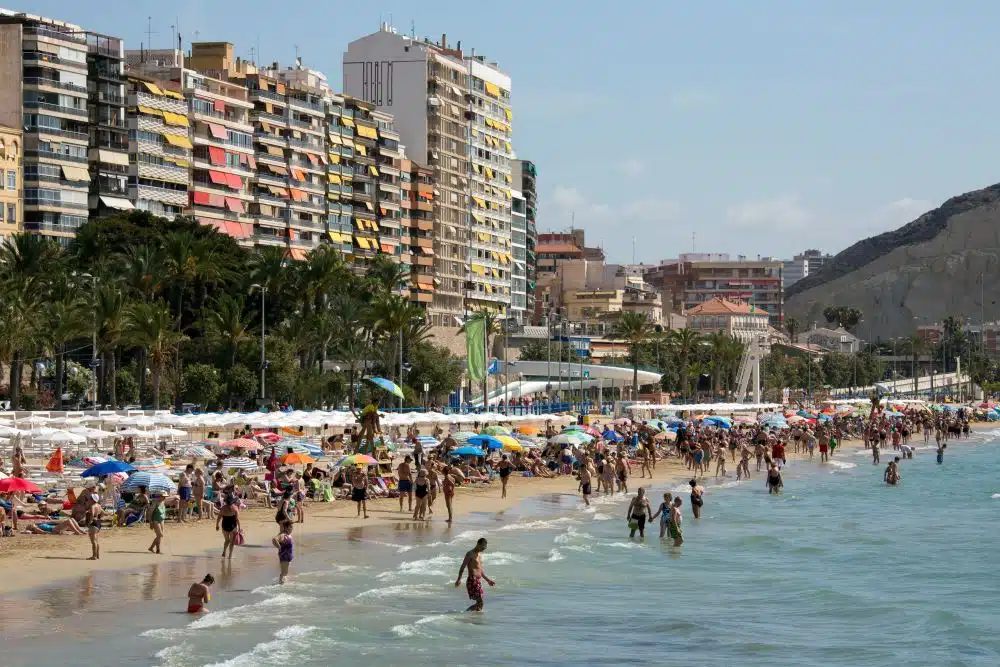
[(473, 584)]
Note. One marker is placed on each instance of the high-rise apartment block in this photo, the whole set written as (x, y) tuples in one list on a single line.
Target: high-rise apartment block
[(11, 177), (525, 181), (452, 110)]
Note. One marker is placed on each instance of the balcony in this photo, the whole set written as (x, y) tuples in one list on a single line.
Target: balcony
[(299, 143), (54, 203), (305, 104), (107, 74), (52, 83), (79, 136), (269, 118), (66, 36), (257, 93), (102, 97), (50, 155), (46, 106), (306, 224)]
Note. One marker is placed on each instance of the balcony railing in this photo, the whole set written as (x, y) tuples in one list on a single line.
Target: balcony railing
[(108, 74), (51, 155), (107, 98), (83, 136), (267, 95), (305, 144), (49, 59), (52, 83), (34, 104), (48, 201), (67, 36), (305, 104)]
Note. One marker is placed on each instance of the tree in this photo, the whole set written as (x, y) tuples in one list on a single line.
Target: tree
[(225, 320), (436, 366), (110, 314), (202, 385), (635, 329), (544, 350), (242, 384), (684, 343), (65, 317), (150, 327), (792, 327)]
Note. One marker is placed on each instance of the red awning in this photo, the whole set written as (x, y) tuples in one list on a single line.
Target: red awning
[(220, 225), (252, 161), (200, 198), (239, 230), (219, 106), (297, 254), (217, 156), (235, 205), (218, 178), (218, 131), (312, 158), (389, 249), (298, 195), (218, 201), (235, 182)]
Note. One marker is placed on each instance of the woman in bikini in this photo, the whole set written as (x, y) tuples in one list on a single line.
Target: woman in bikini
[(421, 490), (505, 470)]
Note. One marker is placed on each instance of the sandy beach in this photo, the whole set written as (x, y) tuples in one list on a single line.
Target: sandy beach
[(33, 561)]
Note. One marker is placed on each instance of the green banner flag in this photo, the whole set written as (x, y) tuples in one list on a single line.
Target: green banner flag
[(475, 343)]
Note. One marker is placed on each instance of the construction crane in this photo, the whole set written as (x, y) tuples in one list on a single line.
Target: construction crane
[(750, 369)]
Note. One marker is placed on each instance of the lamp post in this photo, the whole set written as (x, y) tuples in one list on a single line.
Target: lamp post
[(263, 360)]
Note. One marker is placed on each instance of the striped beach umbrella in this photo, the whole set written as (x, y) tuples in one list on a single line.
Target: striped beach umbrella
[(155, 482), (196, 452), (150, 464), (242, 443), (239, 463)]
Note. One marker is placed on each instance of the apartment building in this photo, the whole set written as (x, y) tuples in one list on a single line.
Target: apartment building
[(160, 151), (417, 221), (518, 252), (44, 90), (11, 177), (109, 141), (739, 319), (452, 111), (694, 279), (525, 181)]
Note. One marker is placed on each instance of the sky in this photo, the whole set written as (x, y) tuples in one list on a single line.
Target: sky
[(755, 128)]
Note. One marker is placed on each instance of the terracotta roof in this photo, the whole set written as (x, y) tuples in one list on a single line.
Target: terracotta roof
[(558, 248), (719, 306)]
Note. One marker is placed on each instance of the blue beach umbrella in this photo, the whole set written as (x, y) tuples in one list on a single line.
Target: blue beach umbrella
[(468, 451), (155, 482), (488, 440), (612, 436), (721, 422), (106, 468), (388, 385)]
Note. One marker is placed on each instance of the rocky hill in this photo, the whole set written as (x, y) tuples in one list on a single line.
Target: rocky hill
[(920, 273)]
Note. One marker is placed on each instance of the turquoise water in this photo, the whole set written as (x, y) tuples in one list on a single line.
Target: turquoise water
[(840, 570)]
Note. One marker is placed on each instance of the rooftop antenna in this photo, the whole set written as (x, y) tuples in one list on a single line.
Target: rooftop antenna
[(413, 29), (149, 31), (694, 235), (633, 250), (173, 33), (253, 51)]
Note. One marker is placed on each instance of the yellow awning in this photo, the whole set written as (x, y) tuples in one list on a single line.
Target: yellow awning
[(150, 111), (492, 89), (152, 88), (334, 159), (175, 119), (476, 168), (367, 132), (334, 236), (479, 218), (481, 203), (489, 173), (361, 240), (333, 178), (75, 174), (372, 170), (494, 255), (508, 114), (510, 149), (179, 141), (489, 122), (346, 122), (335, 138), (489, 288), (477, 269), (496, 273), (507, 178), (484, 237), (368, 205), (361, 149), (172, 94), (179, 162)]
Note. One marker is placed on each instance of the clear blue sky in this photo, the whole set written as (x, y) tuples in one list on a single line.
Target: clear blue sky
[(764, 127)]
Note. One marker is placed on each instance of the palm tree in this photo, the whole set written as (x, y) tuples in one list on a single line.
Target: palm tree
[(143, 269), (111, 308), (150, 326), (384, 275), (684, 342), (65, 317), (225, 320), (792, 327), (635, 329), (267, 268), (918, 347), (350, 345)]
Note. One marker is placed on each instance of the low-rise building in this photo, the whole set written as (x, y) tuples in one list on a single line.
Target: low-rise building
[(832, 340), (740, 320)]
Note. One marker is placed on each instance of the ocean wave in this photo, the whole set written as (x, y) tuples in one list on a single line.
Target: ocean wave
[(502, 558), (402, 590), (273, 607), (400, 548), (410, 629), (995, 495), (170, 656), (279, 649), (428, 567), (554, 555), (600, 516), (579, 547), (571, 534), (537, 525), (294, 587), (623, 545), (467, 535), (842, 465)]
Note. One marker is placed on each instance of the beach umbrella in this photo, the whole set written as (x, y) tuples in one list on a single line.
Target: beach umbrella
[(612, 436), (17, 485), (509, 442), (267, 436), (106, 468), (468, 451), (196, 452), (387, 385), (514, 446), (155, 482), (241, 443), (357, 460), (487, 441), (622, 420), (567, 439), (116, 478), (149, 464), (93, 460), (572, 427), (239, 463), (296, 459), (463, 436), (168, 433), (496, 430), (528, 430)]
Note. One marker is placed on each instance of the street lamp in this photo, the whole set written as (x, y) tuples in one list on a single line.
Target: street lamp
[(263, 359)]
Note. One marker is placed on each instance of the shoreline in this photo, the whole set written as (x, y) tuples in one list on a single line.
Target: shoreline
[(28, 560)]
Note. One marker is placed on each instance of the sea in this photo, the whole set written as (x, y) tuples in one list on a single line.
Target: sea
[(838, 570)]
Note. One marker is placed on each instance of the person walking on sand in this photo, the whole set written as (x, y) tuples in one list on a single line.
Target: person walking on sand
[(622, 470), (674, 524), (199, 595), (638, 512), (448, 489), (157, 514), (405, 475), (359, 489), (473, 562), (663, 512), (229, 521), (421, 490), (286, 548), (743, 469), (505, 469)]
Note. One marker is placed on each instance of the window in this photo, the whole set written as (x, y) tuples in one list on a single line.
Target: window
[(11, 214), (11, 180)]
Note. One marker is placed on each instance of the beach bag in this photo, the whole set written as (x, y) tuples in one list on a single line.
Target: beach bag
[(240, 538)]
